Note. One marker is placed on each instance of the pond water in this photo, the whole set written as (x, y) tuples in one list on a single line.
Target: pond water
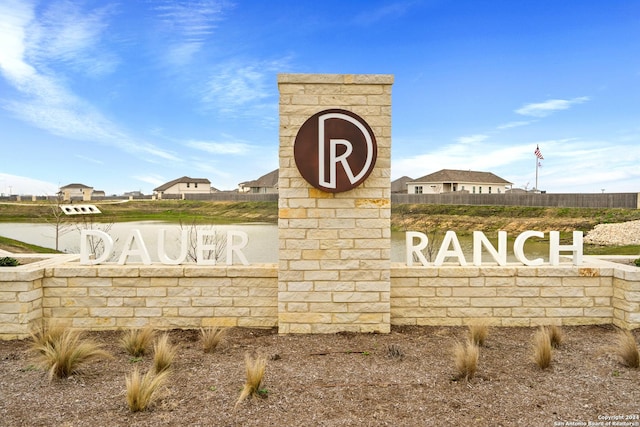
[(261, 248)]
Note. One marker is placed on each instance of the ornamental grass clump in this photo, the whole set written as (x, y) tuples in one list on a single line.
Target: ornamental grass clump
[(163, 354), (63, 352), (142, 391), (211, 337), (255, 368), (45, 336), (627, 349), (542, 350), (466, 359), (555, 335), (478, 333), (137, 342)]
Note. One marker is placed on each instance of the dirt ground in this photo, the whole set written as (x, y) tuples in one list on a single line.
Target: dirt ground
[(339, 380)]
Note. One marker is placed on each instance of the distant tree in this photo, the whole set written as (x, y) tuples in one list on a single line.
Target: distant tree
[(57, 218), (86, 222), (218, 240)]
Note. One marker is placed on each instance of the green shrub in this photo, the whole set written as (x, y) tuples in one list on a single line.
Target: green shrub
[(637, 262), (9, 262)]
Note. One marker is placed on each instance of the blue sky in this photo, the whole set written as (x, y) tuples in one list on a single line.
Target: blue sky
[(128, 95)]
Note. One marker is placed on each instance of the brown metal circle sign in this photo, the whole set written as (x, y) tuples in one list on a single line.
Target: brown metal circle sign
[(335, 150)]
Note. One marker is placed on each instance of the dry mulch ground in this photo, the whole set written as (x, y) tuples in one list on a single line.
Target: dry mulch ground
[(337, 380)]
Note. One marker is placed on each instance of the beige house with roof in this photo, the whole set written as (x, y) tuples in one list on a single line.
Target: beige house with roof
[(183, 186), (78, 191), (266, 184), (452, 180)]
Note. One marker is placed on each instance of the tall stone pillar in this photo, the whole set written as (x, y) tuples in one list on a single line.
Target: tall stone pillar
[(334, 224)]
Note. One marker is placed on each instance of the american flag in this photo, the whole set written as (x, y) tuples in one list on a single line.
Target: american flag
[(538, 153)]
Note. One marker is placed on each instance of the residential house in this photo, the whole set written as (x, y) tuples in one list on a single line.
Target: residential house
[(183, 186), (400, 185), (451, 180), (76, 191), (134, 194), (266, 184)]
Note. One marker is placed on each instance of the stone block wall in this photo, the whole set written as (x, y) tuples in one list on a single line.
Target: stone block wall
[(20, 302), (21, 291), (626, 297), (110, 297), (597, 293), (334, 247), (165, 297)]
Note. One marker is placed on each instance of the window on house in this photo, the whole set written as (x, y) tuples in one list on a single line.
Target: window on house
[(195, 185), (480, 190), (462, 188), (474, 189), (489, 190), (187, 185), (418, 189)]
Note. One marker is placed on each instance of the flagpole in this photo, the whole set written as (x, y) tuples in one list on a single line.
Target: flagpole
[(537, 163), (538, 158)]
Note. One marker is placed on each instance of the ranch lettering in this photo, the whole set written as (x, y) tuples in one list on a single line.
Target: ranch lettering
[(450, 248)]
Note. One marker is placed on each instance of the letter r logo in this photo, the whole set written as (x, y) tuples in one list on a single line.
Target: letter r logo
[(335, 150)]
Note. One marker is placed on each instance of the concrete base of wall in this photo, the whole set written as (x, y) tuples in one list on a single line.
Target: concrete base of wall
[(109, 297)]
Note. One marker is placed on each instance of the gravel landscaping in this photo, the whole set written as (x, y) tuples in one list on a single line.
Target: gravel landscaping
[(405, 378)]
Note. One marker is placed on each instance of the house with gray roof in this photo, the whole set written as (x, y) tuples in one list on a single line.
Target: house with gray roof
[(266, 184), (78, 191), (399, 185), (183, 186), (451, 180)]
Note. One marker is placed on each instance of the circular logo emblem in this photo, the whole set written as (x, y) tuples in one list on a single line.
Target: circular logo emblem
[(335, 150)]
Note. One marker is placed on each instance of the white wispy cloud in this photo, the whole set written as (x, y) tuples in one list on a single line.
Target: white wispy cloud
[(15, 184), (577, 164), (187, 24), (190, 19), (389, 11), (543, 109), (472, 139), (155, 180), (511, 125), (461, 156), (223, 180), (88, 159), (65, 34), (47, 103), (213, 147), (233, 86), (14, 18)]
